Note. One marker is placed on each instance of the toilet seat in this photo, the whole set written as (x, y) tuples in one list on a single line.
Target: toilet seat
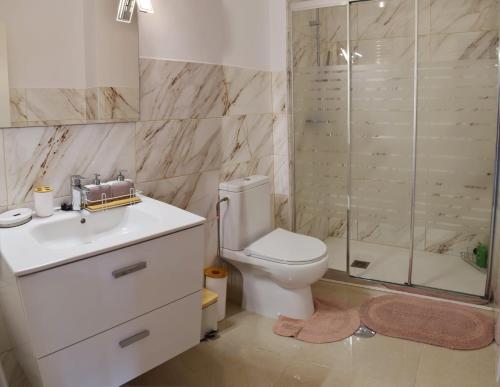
[(285, 247)]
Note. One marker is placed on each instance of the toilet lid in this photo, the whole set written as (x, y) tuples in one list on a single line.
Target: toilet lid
[(283, 246)]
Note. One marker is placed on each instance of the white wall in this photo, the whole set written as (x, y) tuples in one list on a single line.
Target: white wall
[(4, 77), (69, 44), (36, 35), (111, 48), (230, 32), (278, 34)]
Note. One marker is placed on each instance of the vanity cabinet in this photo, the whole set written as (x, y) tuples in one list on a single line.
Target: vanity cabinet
[(103, 320)]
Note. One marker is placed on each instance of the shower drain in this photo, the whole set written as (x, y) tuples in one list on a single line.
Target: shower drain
[(360, 264)]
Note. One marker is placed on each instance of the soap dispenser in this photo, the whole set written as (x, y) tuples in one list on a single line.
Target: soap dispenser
[(121, 187), (97, 191)]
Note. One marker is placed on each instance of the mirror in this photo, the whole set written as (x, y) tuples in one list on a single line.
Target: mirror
[(67, 62)]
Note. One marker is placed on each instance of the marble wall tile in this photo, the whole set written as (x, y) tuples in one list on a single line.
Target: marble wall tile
[(424, 17), (177, 147), (453, 240), (55, 104), (392, 234), (248, 91), (303, 38), (462, 46), (337, 227), (235, 146), (18, 107), (280, 134), (211, 253), (91, 104), (315, 226), (450, 16), (396, 19), (118, 103), (388, 51), (49, 155), (282, 213), (3, 180), (180, 90), (260, 134), (279, 91), (197, 193), (333, 23), (13, 371), (304, 52), (247, 137), (262, 166), (281, 175), (49, 107)]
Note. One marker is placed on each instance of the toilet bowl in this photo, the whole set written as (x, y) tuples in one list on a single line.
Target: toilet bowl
[(277, 266)]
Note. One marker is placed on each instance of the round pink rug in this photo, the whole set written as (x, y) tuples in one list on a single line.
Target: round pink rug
[(425, 321), (331, 321)]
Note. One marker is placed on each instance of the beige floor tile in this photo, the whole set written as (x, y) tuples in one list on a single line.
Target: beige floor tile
[(441, 367), (303, 373), (256, 331), (387, 360), (248, 354)]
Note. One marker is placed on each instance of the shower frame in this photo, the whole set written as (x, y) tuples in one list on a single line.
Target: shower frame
[(317, 4)]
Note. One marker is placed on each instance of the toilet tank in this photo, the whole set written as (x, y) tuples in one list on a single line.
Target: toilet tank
[(246, 217)]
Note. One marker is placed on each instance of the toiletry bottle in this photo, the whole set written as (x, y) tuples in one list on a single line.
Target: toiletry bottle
[(121, 188), (98, 192)]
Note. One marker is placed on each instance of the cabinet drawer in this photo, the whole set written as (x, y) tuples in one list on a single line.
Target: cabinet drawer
[(70, 303), (126, 351)]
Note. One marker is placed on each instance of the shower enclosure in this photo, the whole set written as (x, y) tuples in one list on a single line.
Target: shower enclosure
[(395, 116)]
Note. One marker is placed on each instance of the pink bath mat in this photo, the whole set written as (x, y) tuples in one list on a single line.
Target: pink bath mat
[(433, 322), (332, 321)]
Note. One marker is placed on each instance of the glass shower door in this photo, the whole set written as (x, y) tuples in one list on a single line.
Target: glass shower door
[(457, 130), (319, 39), (382, 48)]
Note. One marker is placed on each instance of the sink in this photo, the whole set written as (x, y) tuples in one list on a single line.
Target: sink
[(69, 236), (73, 231)]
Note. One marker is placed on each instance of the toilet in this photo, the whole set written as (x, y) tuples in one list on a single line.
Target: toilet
[(277, 266)]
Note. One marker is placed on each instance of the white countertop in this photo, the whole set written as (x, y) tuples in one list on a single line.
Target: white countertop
[(44, 243)]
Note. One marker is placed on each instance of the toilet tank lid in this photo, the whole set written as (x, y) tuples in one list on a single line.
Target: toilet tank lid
[(244, 183)]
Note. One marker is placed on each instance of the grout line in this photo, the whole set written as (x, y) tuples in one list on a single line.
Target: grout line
[(267, 70)]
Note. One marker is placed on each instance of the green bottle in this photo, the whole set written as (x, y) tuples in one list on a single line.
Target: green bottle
[(481, 253)]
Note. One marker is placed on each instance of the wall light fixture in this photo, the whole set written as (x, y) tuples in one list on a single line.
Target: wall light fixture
[(145, 6), (126, 9)]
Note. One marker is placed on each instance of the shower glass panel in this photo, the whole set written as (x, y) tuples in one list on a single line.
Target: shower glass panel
[(382, 38), (319, 39), (457, 129), (395, 109)]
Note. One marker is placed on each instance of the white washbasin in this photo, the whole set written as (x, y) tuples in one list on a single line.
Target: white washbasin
[(69, 236), (71, 231)]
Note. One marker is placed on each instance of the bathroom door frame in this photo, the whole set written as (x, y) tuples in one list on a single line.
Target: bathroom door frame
[(316, 4)]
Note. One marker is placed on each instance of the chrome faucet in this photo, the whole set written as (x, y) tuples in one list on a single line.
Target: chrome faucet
[(78, 192)]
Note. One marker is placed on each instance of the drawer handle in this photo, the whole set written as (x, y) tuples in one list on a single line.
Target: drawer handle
[(129, 269), (132, 339)]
